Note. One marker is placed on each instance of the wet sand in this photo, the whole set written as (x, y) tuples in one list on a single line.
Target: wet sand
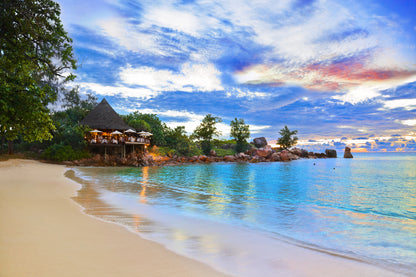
[(44, 233)]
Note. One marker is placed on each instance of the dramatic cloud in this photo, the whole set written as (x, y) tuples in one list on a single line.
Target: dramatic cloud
[(326, 68), (194, 77), (191, 120), (375, 144), (407, 104), (355, 81), (409, 122), (141, 93)]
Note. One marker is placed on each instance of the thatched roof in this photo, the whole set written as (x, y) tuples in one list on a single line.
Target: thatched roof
[(103, 117)]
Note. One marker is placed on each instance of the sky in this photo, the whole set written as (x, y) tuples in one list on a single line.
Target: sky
[(340, 72)]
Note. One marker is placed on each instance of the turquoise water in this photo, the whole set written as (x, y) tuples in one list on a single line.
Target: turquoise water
[(363, 208)]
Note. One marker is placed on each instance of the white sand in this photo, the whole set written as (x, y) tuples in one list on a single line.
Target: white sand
[(44, 233)]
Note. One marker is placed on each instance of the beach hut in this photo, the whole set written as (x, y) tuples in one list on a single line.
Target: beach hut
[(106, 124), (104, 118)]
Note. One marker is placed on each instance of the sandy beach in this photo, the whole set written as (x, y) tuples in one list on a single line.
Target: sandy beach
[(45, 233)]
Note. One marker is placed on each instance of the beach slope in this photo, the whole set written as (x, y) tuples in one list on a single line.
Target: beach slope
[(43, 232)]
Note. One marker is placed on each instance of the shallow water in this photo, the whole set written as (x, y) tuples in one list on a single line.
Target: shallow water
[(363, 208)]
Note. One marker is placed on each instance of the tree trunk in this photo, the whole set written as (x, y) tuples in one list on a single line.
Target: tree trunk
[(10, 147)]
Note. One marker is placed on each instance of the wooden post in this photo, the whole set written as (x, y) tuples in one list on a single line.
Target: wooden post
[(105, 152)]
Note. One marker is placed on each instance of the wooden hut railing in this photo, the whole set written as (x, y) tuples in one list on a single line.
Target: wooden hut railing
[(128, 140)]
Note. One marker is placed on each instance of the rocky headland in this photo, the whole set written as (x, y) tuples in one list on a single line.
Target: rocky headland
[(260, 152), (255, 155)]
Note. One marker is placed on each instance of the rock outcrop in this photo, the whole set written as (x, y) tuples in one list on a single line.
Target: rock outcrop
[(284, 156), (265, 152), (260, 142), (254, 155), (331, 153), (229, 158), (299, 152), (347, 153)]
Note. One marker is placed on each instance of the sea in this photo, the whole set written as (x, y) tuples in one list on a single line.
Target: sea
[(229, 215)]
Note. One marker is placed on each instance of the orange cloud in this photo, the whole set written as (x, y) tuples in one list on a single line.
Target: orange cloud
[(335, 76)]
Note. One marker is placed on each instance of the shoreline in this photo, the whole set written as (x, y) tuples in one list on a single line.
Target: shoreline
[(45, 233), (279, 255), (254, 155), (87, 237)]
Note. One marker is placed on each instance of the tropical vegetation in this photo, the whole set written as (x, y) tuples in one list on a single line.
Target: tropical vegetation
[(288, 138), (36, 64), (240, 132), (206, 131), (35, 58)]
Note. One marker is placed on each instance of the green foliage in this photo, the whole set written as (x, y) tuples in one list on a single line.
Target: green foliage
[(178, 140), (224, 152), (219, 143), (67, 131), (167, 151), (288, 138), (59, 152), (206, 147), (163, 136), (73, 100), (205, 132), (147, 122), (240, 132), (140, 125), (35, 53), (69, 134), (163, 151), (194, 150)]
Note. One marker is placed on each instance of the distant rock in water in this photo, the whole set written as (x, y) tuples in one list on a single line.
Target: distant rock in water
[(260, 142), (347, 153), (331, 153)]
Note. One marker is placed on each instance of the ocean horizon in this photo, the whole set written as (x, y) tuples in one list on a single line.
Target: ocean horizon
[(233, 216)]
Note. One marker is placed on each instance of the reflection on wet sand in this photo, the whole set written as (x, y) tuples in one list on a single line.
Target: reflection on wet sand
[(88, 198)]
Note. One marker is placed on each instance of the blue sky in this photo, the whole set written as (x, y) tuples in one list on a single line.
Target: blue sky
[(339, 72)]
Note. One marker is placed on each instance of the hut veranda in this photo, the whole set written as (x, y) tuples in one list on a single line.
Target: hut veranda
[(111, 135)]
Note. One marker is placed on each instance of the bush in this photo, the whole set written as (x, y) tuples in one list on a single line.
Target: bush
[(59, 152), (224, 152), (194, 150), (224, 144), (242, 147), (164, 151)]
